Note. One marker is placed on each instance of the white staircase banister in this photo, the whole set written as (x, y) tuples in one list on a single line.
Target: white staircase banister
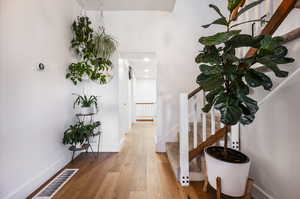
[(184, 140)]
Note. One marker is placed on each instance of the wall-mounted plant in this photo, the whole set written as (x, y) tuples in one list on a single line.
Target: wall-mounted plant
[(93, 54), (105, 45), (86, 103), (79, 133), (227, 79)]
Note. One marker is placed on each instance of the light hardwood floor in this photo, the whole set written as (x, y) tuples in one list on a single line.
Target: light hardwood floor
[(137, 172)]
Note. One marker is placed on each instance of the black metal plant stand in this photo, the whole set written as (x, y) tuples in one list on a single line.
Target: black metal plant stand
[(87, 118)]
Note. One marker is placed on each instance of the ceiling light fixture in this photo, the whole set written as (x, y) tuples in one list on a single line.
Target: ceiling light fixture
[(146, 70), (146, 59)]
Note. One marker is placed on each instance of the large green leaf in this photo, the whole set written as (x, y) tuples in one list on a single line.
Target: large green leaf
[(255, 79), (230, 115), (217, 10), (220, 21), (211, 96), (250, 104), (218, 38), (207, 107), (232, 4), (210, 70), (268, 43), (210, 82), (247, 119), (210, 55), (229, 108), (243, 40), (249, 6), (241, 89), (273, 66)]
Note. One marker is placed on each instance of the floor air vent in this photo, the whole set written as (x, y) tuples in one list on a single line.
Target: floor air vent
[(56, 184)]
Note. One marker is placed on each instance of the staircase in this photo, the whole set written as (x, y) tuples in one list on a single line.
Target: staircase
[(195, 127), (199, 130)]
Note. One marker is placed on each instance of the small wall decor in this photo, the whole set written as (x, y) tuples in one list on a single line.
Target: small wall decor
[(41, 66)]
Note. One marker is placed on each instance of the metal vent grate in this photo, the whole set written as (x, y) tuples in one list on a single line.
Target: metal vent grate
[(56, 184)]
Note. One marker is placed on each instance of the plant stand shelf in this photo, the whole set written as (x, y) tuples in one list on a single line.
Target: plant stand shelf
[(87, 118)]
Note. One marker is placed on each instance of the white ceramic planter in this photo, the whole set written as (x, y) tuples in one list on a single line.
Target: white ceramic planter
[(87, 110), (233, 176)]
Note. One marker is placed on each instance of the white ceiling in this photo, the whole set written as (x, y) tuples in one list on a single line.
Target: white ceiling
[(114, 5), (144, 64)]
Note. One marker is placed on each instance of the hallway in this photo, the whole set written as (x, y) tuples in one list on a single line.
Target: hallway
[(137, 172)]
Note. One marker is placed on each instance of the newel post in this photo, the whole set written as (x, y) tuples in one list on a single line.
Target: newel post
[(184, 140)]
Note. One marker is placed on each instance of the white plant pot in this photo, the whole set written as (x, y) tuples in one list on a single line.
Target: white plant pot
[(87, 110), (233, 176)]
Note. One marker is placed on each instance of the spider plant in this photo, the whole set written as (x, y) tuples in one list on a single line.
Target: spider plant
[(105, 45), (86, 101)]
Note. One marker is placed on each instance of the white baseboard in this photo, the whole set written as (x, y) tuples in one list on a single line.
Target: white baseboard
[(36, 181), (259, 193)]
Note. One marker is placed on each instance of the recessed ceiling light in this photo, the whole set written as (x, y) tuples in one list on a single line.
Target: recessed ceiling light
[(146, 59), (146, 70)]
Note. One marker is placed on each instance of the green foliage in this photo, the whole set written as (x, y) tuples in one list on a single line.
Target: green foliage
[(105, 45), (94, 55), (224, 76), (79, 133), (86, 101), (232, 4)]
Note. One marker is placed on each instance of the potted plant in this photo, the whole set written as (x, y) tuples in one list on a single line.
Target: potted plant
[(227, 79), (105, 44), (78, 134), (93, 51), (87, 104)]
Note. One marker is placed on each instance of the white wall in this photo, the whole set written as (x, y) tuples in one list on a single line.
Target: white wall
[(124, 98), (145, 91), (272, 141), (36, 107), (108, 109), (174, 38)]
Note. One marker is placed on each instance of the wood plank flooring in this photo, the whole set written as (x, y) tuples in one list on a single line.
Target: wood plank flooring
[(137, 172)]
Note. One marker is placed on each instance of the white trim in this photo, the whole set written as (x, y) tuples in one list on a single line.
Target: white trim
[(36, 181), (259, 193)]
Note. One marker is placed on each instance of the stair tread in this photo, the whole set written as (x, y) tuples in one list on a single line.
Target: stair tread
[(172, 149)]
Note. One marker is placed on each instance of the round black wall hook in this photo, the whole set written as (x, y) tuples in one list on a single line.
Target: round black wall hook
[(41, 66)]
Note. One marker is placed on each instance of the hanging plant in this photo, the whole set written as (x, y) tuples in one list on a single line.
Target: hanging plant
[(91, 65), (105, 45)]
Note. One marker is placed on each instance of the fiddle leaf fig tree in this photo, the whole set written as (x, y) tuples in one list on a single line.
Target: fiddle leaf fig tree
[(226, 77)]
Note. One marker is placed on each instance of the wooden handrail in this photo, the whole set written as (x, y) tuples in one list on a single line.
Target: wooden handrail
[(208, 142), (281, 13), (194, 92)]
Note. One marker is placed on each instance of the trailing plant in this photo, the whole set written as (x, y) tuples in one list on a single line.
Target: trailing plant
[(228, 78), (79, 133), (86, 101), (105, 45), (91, 64)]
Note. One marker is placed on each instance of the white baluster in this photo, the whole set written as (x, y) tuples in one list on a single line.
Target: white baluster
[(203, 119), (213, 121), (195, 122)]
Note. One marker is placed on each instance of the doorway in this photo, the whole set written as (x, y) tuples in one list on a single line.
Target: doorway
[(140, 92)]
